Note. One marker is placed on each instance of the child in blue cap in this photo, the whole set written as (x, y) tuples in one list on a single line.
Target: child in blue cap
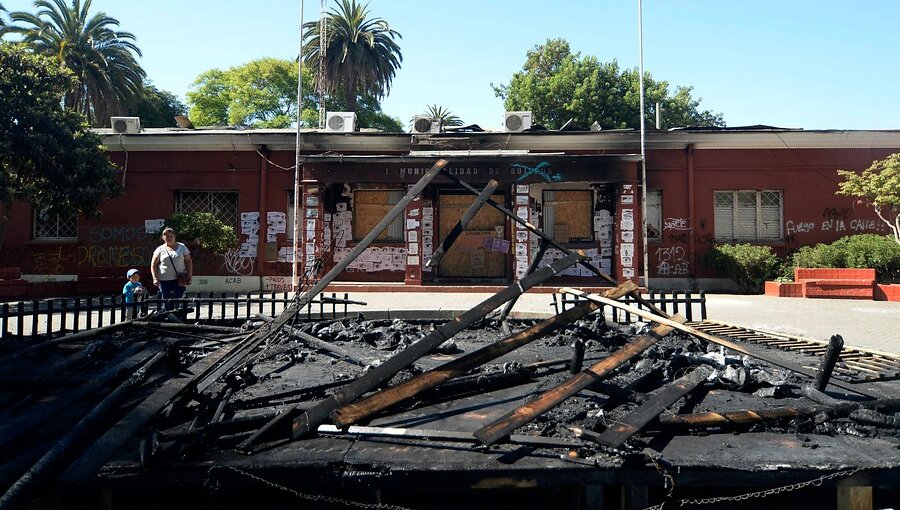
[(133, 288)]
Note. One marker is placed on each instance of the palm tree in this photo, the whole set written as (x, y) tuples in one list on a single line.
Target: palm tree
[(439, 112), (101, 57), (361, 55), (2, 23)]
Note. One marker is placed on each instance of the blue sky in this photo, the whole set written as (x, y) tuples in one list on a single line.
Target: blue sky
[(799, 63)]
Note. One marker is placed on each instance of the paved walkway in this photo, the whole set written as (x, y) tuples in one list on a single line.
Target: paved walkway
[(873, 325)]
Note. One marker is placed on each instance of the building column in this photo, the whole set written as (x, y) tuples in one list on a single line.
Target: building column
[(312, 229), (627, 230), (412, 231)]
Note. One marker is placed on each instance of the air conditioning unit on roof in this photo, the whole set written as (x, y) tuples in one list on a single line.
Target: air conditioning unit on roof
[(341, 122), (122, 125), (426, 124), (517, 121)]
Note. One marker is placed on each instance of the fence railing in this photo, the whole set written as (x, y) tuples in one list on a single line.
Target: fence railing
[(691, 305), (58, 316)]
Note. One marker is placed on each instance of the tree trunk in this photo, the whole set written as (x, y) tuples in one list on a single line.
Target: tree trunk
[(4, 221)]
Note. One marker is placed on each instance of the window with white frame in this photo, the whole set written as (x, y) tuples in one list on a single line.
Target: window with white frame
[(54, 227), (654, 215), (222, 204), (370, 206), (744, 215)]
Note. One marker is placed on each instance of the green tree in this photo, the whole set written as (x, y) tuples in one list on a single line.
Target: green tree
[(439, 112), (260, 94), (101, 57), (263, 94), (48, 155), (361, 55), (155, 107), (558, 85), (204, 230), (879, 187)]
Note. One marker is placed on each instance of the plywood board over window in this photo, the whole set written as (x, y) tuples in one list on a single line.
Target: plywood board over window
[(369, 207), (468, 257), (569, 214)]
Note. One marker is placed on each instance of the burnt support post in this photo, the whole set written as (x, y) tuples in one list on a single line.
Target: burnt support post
[(831, 357), (463, 222), (531, 268), (577, 356)]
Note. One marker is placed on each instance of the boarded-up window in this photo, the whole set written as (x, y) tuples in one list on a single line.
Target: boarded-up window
[(654, 215), (370, 206), (748, 215), (568, 215)]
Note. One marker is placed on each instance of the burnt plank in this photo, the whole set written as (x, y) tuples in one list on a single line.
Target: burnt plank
[(502, 427), (636, 420), (105, 447)]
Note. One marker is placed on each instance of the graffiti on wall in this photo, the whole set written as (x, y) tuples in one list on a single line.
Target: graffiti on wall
[(672, 261), (236, 262), (675, 224), (542, 170)]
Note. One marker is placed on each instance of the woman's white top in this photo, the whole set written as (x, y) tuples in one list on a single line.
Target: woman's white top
[(169, 257)]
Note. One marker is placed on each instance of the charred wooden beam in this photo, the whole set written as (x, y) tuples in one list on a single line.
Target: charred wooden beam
[(636, 420), (314, 416), (461, 225), (446, 435), (831, 358), (714, 339), (532, 266), (383, 399), (577, 356), (106, 446), (209, 328), (322, 345), (68, 446), (750, 417), (501, 427), (15, 426)]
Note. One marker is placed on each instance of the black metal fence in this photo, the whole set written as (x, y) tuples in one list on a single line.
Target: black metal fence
[(691, 305), (57, 316)]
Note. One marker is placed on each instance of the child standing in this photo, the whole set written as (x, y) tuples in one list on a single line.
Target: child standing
[(132, 290)]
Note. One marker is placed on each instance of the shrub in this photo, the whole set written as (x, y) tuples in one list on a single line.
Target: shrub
[(864, 250), (748, 265), (204, 229)]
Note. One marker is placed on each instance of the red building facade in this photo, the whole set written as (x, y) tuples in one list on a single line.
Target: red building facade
[(766, 186)]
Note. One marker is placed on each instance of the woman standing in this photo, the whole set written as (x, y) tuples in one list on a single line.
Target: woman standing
[(171, 267)]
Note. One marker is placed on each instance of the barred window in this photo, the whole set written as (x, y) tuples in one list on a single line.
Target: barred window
[(222, 204), (369, 207), (748, 215), (568, 215), (54, 227)]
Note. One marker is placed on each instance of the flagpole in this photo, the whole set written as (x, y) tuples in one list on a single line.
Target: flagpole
[(643, 150), (295, 273)]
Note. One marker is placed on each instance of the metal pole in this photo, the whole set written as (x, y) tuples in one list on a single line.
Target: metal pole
[(643, 150), (295, 272)]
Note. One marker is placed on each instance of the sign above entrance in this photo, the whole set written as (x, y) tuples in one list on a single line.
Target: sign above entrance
[(520, 170)]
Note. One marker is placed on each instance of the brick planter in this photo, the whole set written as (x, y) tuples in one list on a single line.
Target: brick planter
[(784, 289), (843, 283), (887, 292)]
